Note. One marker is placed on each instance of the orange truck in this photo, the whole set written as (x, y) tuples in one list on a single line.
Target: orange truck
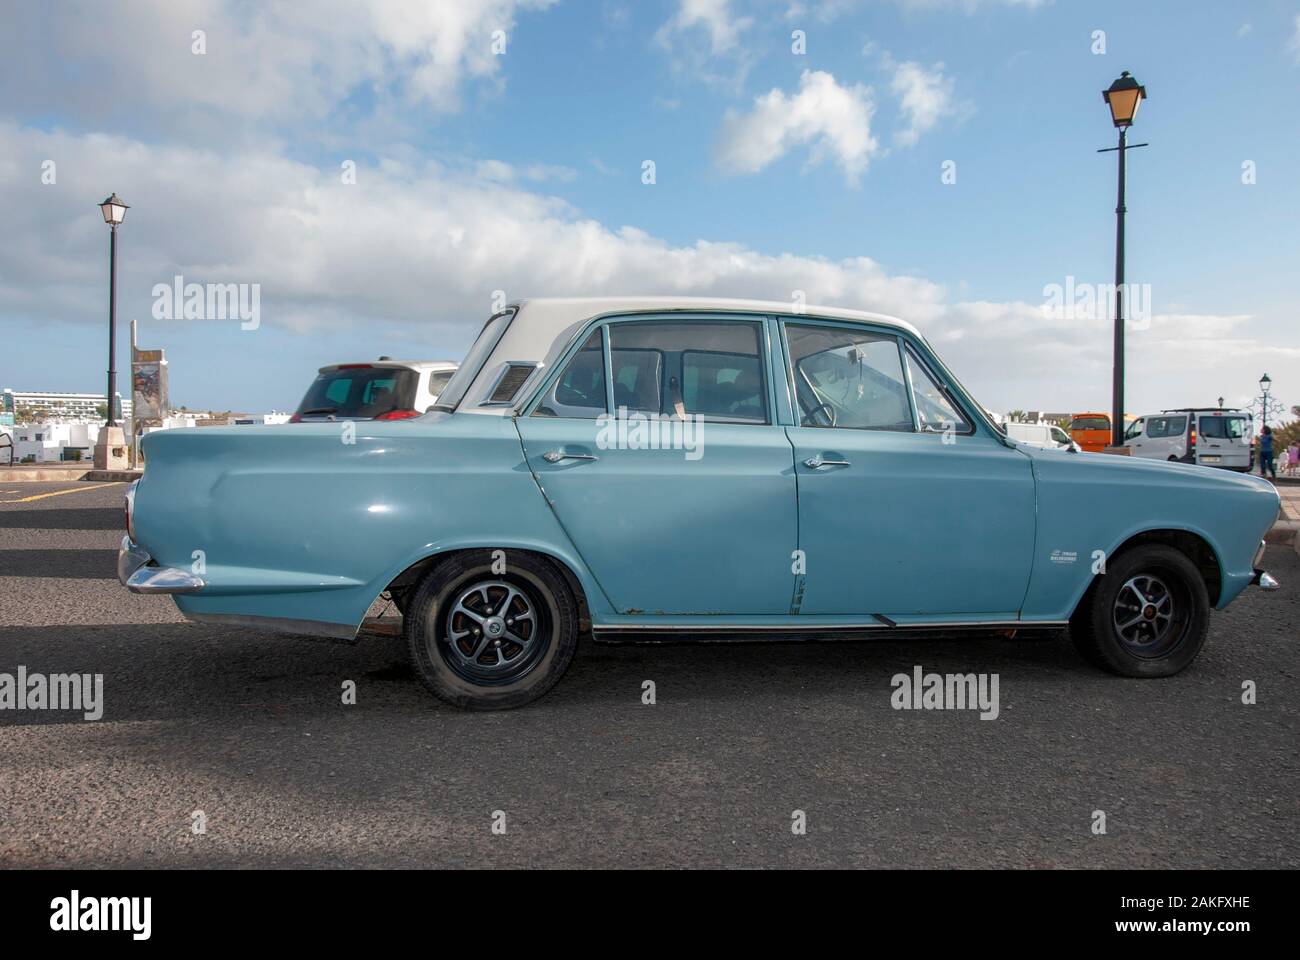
[(1091, 431)]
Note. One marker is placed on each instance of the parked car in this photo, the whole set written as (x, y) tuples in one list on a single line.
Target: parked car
[(1211, 437), (642, 468), (381, 390), (1046, 436)]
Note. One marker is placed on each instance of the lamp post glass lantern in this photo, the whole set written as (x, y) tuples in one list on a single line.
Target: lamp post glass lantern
[(114, 211), (1123, 97)]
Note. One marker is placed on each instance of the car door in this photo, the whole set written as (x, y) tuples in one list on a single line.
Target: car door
[(1136, 437), (656, 446), (1156, 444), (907, 508)]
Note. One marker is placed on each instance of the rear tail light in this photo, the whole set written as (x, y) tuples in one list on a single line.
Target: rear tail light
[(398, 415), (1193, 438)]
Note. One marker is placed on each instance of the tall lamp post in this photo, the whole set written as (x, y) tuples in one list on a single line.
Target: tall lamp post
[(114, 211), (1124, 96), (1266, 403)]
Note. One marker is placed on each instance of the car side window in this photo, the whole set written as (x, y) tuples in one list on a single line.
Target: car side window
[(437, 381), (847, 378), (579, 393), (690, 368), (1177, 426), (935, 412)]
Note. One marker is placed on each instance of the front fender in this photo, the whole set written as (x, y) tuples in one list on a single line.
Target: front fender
[(1090, 505)]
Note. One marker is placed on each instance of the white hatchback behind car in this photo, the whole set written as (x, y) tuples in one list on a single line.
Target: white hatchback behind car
[(1211, 437), (380, 390)]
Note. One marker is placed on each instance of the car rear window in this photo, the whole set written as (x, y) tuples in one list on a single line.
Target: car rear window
[(1223, 428), (1090, 423), (360, 392)]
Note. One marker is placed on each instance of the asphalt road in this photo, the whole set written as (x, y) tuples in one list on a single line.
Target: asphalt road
[(250, 729)]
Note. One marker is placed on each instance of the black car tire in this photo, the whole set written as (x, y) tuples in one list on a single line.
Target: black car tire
[(1158, 644), (439, 620)]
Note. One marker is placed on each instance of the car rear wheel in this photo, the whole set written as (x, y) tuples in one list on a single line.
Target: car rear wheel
[(1146, 617), (486, 635)]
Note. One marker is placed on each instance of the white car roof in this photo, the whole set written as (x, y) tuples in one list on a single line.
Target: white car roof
[(405, 364), (543, 327)]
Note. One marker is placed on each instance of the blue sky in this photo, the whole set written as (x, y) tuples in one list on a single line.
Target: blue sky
[(774, 171)]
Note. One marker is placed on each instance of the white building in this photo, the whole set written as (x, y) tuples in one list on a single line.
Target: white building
[(60, 406), (52, 442)]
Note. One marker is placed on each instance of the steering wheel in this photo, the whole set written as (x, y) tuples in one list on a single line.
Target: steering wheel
[(826, 410)]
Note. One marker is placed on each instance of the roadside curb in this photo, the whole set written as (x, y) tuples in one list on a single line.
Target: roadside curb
[(30, 474), (113, 476), (1284, 532)]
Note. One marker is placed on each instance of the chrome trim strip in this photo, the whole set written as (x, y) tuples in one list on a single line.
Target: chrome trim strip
[(130, 507), (136, 575), (130, 558), (813, 626), (1258, 562)]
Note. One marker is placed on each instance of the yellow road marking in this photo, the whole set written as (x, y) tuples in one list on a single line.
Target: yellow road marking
[(59, 493)]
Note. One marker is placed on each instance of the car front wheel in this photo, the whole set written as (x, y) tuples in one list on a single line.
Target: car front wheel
[(487, 633), (1146, 617)]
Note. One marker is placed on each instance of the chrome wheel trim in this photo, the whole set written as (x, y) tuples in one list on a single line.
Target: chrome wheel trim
[(1146, 616), (491, 631)]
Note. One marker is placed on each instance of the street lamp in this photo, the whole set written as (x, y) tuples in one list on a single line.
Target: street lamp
[(1124, 96), (114, 211), (1265, 384), (1221, 403)]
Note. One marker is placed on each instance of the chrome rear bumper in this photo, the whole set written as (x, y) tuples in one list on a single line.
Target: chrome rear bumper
[(1265, 580), (137, 576)]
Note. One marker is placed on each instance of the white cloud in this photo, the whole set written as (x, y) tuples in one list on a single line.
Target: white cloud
[(970, 6), (411, 253), (829, 118), (267, 62), (924, 97), (715, 17)]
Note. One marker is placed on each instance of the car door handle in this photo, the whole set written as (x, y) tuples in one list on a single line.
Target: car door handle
[(814, 463), (555, 456)]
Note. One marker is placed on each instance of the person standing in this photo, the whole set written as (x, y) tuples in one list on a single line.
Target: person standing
[(1266, 467)]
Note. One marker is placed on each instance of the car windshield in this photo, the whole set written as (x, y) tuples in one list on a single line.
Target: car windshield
[(1223, 428), (359, 392)]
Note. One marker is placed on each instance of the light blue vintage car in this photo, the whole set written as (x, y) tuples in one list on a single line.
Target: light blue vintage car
[(687, 468)]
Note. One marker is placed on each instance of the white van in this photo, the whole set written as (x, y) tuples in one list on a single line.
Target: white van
[(1208, 436), (1045, 435)]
